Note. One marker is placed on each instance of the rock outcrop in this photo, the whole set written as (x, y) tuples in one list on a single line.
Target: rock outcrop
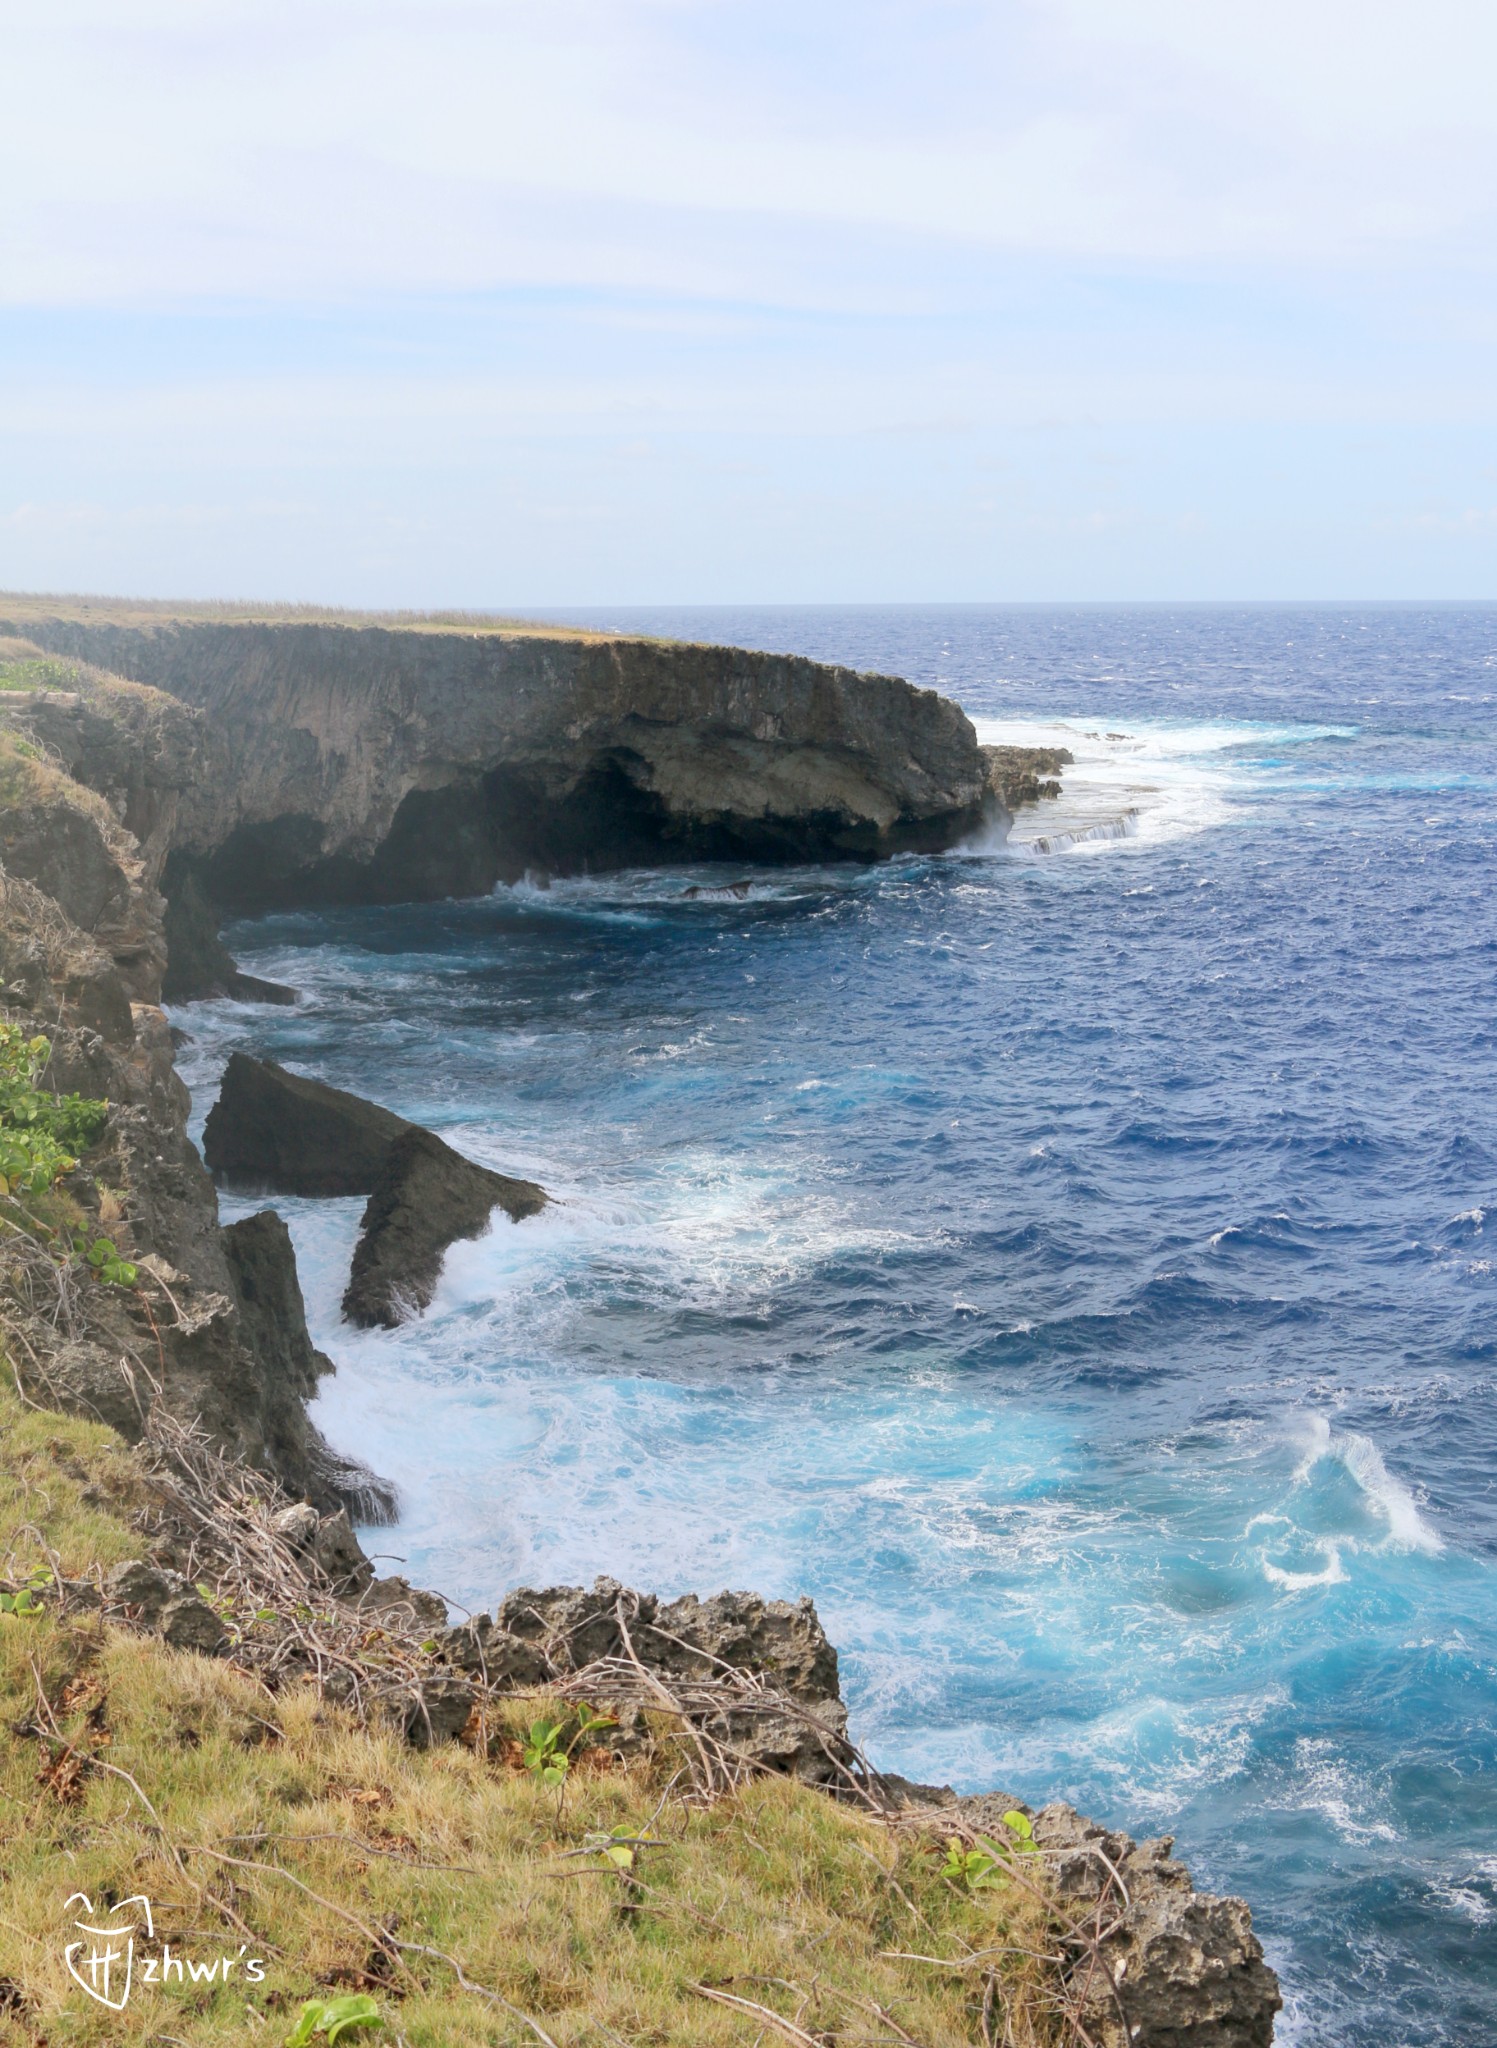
[(426, 1197), (273, 1326), (198, 963), (1181, 1968), (1186, 1969), (545, 1635), (273, 1132)]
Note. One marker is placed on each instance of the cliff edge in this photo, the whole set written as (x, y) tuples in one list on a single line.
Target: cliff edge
[(371, 763)]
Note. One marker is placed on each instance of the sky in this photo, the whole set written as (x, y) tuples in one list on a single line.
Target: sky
[(516, 306)]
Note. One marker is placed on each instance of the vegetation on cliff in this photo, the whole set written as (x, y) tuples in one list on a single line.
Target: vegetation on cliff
[(470, 1896)]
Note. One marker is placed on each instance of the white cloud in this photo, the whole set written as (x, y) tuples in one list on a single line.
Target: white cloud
[(340, 146), (495, 301)]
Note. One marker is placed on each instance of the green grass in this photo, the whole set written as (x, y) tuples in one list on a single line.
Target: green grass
[(777, 1896), (40, 674)]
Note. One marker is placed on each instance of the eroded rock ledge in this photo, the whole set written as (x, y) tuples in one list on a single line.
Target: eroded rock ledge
[(375, 764)]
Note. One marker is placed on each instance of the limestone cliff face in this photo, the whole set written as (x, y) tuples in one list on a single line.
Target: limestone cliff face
[(375, 764), (81, 952)]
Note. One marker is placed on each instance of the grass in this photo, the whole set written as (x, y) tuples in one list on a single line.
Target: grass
[(23, 607), (277, 1828), (27, 776)]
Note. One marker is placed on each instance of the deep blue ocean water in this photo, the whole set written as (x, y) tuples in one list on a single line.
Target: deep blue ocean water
[(1075, 1269)]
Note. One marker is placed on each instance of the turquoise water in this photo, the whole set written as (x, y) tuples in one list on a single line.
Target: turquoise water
[(1073, 1267)]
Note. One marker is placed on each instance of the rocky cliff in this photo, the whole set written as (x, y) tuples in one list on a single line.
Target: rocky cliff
[(368, 763), (90, 777), (286, 763)]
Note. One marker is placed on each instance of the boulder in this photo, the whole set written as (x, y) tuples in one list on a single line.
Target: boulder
[(439, 1712), (274, 1132), (425, 1198), (189, 1623), (297, 1526), (144, 1587)]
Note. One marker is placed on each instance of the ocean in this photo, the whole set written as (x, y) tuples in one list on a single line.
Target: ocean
[(1069, 1260)]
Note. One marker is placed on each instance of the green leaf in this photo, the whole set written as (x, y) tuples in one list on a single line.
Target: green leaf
[(357, 2009), (331, 2017)]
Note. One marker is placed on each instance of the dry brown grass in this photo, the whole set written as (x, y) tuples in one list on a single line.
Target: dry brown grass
[(20, 608), (471, 1901)]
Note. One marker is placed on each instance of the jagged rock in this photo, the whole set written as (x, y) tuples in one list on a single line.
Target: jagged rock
[(425, 1198), (575, 1625), (337, 1553), (1025, 775), (491, 1653), (685, 1638), (571, 1626), (1188, 1970), (439, 1712), (272, 1313), (273, 1328), (750, 1634), (396, 1603), (198, 964), (189, 1623), (275, 1132), (274, 1129)]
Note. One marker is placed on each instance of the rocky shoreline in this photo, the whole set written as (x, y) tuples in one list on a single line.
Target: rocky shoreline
[(296, 764)]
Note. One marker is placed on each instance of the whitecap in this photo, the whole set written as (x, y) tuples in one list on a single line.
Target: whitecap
[(1333, 1573), (1386, 1495)]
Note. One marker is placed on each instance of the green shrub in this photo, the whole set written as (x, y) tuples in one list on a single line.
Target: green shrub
[(36, 1129)]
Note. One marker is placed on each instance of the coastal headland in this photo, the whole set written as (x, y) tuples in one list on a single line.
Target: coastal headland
[(164, 767)]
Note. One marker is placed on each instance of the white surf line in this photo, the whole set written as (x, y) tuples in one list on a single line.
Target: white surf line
[(1149, 785)]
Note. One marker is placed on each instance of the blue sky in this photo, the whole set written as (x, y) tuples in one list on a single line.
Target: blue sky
[(429, 302)]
